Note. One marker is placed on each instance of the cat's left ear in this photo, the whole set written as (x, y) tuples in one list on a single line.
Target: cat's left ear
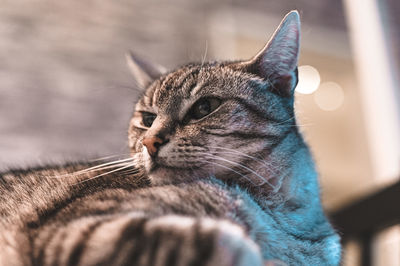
[(143, 71), (277, 61)]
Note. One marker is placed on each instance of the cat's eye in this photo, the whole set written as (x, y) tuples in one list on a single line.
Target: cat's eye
[(148, 119), (204, 107)]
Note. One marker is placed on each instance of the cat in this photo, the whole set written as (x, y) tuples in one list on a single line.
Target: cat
[(219, 174)]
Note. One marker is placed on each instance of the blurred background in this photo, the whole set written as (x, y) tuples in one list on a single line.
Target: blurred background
[(66, 93)]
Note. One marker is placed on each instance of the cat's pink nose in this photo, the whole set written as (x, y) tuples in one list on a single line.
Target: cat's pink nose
[(152, 144)]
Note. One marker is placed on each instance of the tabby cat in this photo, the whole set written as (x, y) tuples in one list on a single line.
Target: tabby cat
[(218, 175)]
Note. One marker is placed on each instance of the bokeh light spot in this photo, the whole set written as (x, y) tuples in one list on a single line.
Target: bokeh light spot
[(309, 80), (329, 96)]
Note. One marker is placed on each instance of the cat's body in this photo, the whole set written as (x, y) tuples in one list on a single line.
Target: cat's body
[(220, 175)]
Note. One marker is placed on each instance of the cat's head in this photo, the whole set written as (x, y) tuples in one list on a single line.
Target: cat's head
[(218, 118)]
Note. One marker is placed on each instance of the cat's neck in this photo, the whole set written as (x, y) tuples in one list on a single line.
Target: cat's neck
[(292, 178), (294, 196)]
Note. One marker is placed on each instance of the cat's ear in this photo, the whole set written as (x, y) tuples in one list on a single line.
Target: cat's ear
[(143, 71), (277, 61)]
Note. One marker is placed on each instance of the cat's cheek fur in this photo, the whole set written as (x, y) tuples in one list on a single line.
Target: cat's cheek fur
[(146, 160)]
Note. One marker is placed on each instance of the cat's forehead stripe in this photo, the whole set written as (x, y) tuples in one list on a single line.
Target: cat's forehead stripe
[(182, 80), (187, 77), (148, 98), (154, 98), (170, 80), (196, 88)]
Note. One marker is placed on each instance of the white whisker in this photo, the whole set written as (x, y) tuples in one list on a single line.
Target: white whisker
[(113, 171), (283, 122), (100, 166), (239, 153), (263, 179), (205, 55), (82, 172), (236, 172), (107, 157)]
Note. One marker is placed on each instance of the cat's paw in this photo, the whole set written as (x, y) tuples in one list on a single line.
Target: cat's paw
[(234, 247), (191, 241)]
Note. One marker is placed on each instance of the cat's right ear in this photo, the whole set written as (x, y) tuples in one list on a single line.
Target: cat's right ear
[(142, 70)]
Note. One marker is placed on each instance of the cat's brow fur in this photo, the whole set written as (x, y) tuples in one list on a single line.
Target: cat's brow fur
[(235, 187)]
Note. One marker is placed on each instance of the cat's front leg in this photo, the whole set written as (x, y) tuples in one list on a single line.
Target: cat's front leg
[(180, 240), (134, 239)]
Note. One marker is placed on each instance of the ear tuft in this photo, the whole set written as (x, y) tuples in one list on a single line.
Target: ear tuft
[(143, 71), (277, 61)]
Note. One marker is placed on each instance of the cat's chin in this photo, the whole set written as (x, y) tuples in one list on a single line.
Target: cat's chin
[(161, 175)]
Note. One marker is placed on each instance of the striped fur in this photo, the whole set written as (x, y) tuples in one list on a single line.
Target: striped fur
[(235, 187)]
